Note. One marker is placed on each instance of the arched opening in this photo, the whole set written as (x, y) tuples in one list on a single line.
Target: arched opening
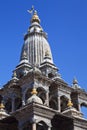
[(53, 103), (8, 105), (84, 110), (60, 122), (1, 98), (18, 103), (28, 94), (42, 94), (9, 123), (64, 102), (42, 126), (74, 98), (50, 75)]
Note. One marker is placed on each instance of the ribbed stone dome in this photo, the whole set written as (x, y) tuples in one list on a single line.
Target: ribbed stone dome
[(34, 98), (35, 42), (3, 113)]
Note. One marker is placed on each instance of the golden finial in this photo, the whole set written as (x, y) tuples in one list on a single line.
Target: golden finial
[(34, 91), (70, 104), (2, 106), (35, 17)]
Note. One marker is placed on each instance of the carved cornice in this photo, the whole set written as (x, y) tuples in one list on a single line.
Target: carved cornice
[(80, 122), (34, 109)]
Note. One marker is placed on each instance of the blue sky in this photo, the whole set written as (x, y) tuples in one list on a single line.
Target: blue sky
[(65, 21)]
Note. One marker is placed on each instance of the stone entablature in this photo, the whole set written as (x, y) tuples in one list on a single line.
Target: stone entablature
[(53, 90)]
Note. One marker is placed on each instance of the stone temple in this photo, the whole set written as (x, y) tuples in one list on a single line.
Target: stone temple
[(36, 97)]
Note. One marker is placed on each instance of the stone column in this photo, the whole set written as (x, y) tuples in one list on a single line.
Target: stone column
[(20, 127), (79, 107), (23, 99), (49, 128), (59, 107), (47, 98), (33, 126), (13, 104)]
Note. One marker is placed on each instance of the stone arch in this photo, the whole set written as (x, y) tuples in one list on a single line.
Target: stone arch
[(53, 102), (84, 104), (41, 93), (41, 126), (75, 100), (8, 105), (60, 122), (84, 109), (63, 102)]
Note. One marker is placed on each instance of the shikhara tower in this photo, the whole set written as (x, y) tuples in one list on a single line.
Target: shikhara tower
[(36, 51), (37, 98)]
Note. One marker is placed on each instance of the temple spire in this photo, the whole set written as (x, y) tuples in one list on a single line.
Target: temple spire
[(35, 44)]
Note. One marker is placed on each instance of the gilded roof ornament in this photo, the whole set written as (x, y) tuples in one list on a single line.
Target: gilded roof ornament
[(2, 106), (34, 91), (70, 104), (35, 17), (14, 74)]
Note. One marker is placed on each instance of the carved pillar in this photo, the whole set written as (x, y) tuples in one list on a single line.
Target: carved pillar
[(79, 107), (49, 128), (59, 105), (23, 102), (47, 98), (13, 104), (33, 126), (20, 127), (23, 99)]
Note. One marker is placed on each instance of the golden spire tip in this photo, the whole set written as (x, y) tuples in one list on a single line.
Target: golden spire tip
[(2, 106), (34, 91), (70, 104)]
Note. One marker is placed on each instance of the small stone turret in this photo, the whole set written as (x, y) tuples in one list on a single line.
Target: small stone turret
[(75, 84), (3, 113), (71, 111)]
